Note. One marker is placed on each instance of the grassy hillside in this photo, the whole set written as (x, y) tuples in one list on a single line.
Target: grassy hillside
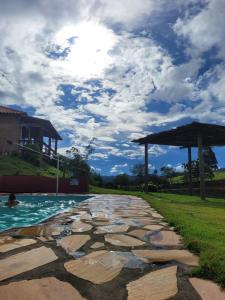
[(201, 223), (16, 166), (218, 175)]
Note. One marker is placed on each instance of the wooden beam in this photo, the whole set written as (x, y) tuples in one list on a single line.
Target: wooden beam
[(201, 167), (146, 168), (190, 170)]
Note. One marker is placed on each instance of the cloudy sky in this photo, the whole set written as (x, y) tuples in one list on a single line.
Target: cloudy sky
[(115, 71)]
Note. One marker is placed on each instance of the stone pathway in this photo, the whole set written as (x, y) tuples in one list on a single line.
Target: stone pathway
[(107, 247)]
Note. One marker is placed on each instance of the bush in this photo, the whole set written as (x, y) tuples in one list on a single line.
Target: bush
[(33, 157)]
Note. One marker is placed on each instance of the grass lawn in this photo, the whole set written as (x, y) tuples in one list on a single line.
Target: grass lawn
[(201, 223), (13, 165)]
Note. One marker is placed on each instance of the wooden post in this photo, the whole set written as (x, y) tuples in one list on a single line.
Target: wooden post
[(146, 168), (201, 167), (49, 145), (190, 170), (56, 144)]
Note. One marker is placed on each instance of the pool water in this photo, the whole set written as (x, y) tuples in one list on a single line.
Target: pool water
[(34, 209)]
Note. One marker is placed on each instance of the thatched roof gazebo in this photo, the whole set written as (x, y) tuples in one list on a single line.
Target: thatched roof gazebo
[(188, 136)]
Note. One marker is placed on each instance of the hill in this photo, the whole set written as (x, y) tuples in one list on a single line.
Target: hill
[(218, 175), (13, 165)]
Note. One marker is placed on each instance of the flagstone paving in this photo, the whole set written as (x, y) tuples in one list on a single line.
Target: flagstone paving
[(106, 247), (98, 267), (73, 242), (79, 226), (111, 229), (207, 290), (153, 227), (157, 285), (48, 288), (97, 245), (166, 238), (122, 240), (25, 261), (182, 256), (140, 233), (10, 243)]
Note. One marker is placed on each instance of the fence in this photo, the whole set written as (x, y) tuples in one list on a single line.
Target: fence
[(41, 184), (214, 188)]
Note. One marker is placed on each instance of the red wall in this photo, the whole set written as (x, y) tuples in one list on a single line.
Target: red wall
[(40, 184)]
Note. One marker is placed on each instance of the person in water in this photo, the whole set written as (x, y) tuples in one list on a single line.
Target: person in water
[(12, 201)]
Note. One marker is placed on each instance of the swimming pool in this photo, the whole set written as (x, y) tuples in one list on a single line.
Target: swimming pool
[(34, 209)]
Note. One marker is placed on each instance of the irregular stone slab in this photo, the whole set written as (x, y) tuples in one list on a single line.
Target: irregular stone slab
[(85, 216), (5, 239), (157, 215), (79, 226), (157, 285), (140, 233), (98, 267), (46, 239), (133, 261), (207, 289), (49, 288), (25, 261), (73, 242), (182, 256), (102, 223), (142, 221), (11, 244), (122, 240), (112, 228), (53, 230), (41, 230), (153, 227), (165, 238), (97, 245), (31, 231)]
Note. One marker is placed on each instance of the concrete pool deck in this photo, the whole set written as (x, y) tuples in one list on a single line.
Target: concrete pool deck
[(107, 247)]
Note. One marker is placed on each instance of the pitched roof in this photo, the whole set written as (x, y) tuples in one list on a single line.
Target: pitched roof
[(187, 136), (7, 110), (45, 124)]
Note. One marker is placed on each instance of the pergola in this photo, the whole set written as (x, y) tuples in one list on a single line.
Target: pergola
[(188, 136)]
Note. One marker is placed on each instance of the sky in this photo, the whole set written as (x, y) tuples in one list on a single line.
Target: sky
[(115, 71)]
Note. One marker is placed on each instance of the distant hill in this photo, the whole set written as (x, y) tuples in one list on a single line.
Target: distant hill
[(13, 165)]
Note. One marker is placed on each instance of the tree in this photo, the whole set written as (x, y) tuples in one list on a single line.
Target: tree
[(208, 171), (77, 164), (138, 171), (168, 172), (96, 179), (210, 158), (121, 180)]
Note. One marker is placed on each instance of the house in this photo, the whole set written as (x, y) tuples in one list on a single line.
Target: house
[(21, 129)]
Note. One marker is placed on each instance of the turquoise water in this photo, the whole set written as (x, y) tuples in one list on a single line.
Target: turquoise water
[(34, 209)]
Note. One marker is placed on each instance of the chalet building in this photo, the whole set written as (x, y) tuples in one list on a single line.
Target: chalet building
[(21, 129)]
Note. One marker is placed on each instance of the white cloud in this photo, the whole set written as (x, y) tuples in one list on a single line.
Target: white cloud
[(133, 72), (118, 168), (206, 29)]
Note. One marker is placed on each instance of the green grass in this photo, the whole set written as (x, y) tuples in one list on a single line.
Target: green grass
[(201, 223), (13, 165)]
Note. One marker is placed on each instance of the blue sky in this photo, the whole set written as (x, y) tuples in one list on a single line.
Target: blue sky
[(115, 71)]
